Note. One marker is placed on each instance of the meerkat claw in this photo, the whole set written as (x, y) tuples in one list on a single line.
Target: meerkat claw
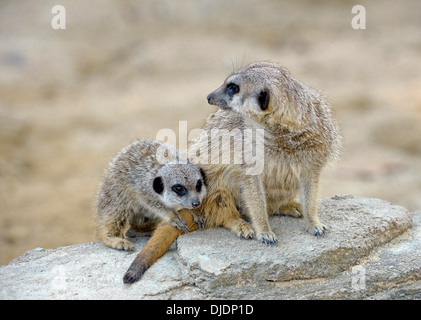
[(270, 242), (180, 224), (185, 228), (201, 223), (199, 220), (269, 239), (246, 236), (320, 231)]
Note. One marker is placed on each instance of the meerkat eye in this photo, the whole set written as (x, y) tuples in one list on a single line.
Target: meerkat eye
[(179, 189), (199, 185), (232, 89)]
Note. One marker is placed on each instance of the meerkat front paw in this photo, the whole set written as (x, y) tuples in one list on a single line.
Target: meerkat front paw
[(180, 224), (318, 230), (200, 220), (268, 238)]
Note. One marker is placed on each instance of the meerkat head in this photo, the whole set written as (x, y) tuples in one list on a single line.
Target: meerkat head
[(264, 92), (180, 186)]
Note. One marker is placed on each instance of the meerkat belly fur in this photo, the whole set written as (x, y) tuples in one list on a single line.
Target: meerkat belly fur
[(300, 137), (145, 184)]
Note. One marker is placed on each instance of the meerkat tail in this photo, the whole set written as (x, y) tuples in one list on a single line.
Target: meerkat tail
[(162, 238)]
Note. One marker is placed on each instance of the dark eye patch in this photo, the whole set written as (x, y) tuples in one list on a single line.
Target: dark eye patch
[(232, 89), (203, 175), (199, 185), (263, 99), (158, 185), (179, 189)]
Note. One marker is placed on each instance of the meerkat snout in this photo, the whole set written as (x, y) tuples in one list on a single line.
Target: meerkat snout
[(195, 203), (209, 98), (220, 98)]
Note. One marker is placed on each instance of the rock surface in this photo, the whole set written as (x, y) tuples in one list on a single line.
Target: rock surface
[(372, 251)]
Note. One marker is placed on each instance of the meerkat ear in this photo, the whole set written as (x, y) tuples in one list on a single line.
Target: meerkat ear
[(158, 185), (263, 99)]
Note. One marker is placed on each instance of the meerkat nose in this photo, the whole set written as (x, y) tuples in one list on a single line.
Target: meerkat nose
[(195, 203), (209, 97)]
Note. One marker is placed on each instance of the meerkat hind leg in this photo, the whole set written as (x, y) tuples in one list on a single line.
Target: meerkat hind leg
[(241, 228), (112, 234), (118, 243), (309, 200), (292, 208), (226, 215)]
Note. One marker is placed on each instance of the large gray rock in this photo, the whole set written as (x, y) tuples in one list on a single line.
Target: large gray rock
[(372, 250)]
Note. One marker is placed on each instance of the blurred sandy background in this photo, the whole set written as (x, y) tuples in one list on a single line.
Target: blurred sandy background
[(70, 99)]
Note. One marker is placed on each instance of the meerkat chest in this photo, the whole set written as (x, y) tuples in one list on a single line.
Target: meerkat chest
[(281, 170), (280, 173)]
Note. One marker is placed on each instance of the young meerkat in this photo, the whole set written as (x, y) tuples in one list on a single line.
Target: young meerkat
[(300, 137), (145, 184)]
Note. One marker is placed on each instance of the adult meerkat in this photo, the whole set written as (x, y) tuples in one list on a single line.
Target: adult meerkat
[(300, 137), (145, 184)]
